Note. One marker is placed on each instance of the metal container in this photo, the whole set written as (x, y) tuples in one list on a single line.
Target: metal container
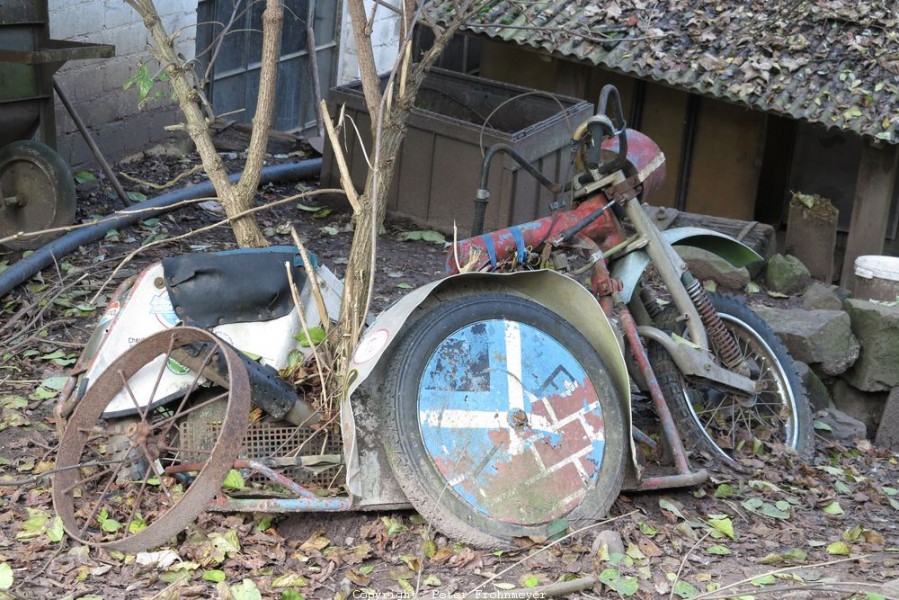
[(877, 278), (28, 60), (36, 187), (457, 117)]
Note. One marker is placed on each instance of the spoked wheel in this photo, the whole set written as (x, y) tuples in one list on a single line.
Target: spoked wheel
[(124, 482), (724, 422), (36, 192), (502, 421)]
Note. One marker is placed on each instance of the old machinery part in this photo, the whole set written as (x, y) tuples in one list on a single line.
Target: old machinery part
[(269, 392), (37, 192), (721, 338), (120, 487), (500, 419), (724, 422)]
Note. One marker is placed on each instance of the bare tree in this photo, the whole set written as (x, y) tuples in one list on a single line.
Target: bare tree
[(390, 111), (235, 198)]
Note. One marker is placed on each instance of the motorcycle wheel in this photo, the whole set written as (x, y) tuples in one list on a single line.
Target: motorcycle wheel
[(501, 421), (722, 422)]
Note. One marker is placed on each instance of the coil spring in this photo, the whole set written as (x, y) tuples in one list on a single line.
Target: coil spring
[(721, 338), (651, 302)]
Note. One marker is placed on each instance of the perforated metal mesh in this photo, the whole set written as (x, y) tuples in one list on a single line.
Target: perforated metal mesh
[(268, 440)]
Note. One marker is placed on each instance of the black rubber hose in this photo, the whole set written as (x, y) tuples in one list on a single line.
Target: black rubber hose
[(42, 258)]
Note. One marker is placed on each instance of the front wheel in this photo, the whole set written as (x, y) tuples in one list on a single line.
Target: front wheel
[(502, 421), (723, 422)]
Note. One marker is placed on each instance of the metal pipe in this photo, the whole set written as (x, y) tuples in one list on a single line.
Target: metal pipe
[(483, 194), (670, 267), (45, 256), (669, 429), (686, 155), (680, 480), (89, 140)]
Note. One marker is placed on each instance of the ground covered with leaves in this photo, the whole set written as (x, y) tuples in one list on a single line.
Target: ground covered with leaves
[(781, 529)]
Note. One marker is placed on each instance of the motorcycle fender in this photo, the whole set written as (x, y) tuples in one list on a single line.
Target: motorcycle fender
[(557, 292), (629, 269)]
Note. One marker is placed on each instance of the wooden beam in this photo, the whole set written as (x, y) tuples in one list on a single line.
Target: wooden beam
[(870, 206)]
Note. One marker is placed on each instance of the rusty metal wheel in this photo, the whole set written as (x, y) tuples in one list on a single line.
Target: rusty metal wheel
[(36, 192), (124, 482)]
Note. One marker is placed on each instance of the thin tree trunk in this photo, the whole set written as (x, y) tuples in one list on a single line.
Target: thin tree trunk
[(238, 198), (393, 113)]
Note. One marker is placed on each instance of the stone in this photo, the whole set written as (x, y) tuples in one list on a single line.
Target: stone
[(610, 540), (891, 587), (876, 326), (821, 338), (787, 275), (843, 427), (888, 430), (821, 295), (707, 265), (818, 395), (867, 407)]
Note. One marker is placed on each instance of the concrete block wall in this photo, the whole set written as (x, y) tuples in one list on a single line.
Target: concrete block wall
[(118, 124), (385, 42)]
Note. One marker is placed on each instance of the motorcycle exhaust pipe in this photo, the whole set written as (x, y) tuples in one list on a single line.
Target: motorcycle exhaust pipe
[(268, 391)]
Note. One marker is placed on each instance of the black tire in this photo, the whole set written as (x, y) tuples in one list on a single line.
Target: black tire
[(503, 486), (703, 412)]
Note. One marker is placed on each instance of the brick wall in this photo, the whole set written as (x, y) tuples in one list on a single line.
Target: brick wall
[(119, 126)]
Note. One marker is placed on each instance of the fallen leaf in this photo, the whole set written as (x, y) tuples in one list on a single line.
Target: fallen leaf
[(838, 549), (6, 577), (834, 508), (246, 590)]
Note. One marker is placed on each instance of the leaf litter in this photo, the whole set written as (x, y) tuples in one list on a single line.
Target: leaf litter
[(782, 524)]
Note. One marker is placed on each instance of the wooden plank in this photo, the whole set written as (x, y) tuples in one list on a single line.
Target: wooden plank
[(727, 152), (758, 236), (870, 206), (235, 136)]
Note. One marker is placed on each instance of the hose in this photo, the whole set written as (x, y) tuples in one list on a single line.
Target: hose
[(42, 258)]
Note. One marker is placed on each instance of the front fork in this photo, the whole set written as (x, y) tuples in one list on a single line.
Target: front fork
[(703, 322), (695, 306)]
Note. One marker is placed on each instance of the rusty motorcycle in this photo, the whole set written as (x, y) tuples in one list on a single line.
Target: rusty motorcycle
[(496, 401)]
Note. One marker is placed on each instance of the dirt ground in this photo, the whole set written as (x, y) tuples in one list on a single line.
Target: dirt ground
[(781, 529)]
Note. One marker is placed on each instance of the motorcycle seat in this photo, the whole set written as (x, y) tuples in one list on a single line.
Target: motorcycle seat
[(235, 286)]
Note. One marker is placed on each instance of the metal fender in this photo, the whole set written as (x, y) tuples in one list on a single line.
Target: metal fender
[(629, 269), (555, 291)]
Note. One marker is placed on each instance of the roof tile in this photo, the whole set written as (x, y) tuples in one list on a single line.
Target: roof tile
[(834, 62)]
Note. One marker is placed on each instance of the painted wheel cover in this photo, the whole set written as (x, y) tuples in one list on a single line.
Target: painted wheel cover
[(511, 421)]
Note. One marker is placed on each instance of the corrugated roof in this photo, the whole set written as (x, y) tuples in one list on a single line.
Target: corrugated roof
[(834, 62)]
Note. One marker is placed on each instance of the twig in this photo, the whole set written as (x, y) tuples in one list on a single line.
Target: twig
[(684, 561), (716, 593), (313, 280), (473, 593), (560, 588), (345, 180), (40, 571), (47, 305), (302, 314), (119, 213), (830, 586), (167, 184), (225, 221)]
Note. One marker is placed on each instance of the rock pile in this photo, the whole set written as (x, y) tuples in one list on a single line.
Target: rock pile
[(847, 349)]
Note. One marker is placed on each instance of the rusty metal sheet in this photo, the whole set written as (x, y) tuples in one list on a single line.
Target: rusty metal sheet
[(563, 295)]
